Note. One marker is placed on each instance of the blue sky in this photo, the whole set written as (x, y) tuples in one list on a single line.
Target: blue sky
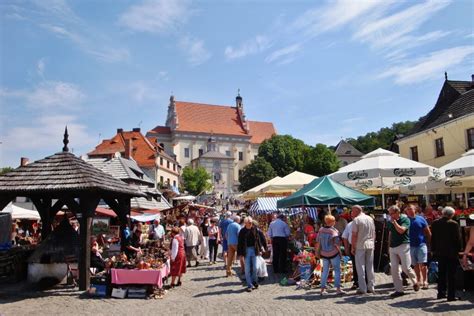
[(319, 70)]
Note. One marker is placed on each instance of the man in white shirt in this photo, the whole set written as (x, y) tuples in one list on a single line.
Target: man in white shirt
[(363, 241), (157, 231), (192, 236)]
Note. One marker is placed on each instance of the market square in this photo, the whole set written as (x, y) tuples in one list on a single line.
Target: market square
[(236, 158)]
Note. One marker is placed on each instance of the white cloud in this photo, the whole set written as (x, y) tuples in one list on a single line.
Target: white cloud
[(156, 16), (428, 67), (89, 45), (389, 29), (250, 47), (48, 95), (284, 55), (40, 67), (59, 9), (46, 133), (194, 50), (398, 48), (336, 14)]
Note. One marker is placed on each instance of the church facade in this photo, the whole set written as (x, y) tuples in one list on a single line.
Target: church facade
[(217, 137)]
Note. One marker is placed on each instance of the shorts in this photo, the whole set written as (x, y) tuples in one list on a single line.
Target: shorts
[(419, 254), (225, 247)]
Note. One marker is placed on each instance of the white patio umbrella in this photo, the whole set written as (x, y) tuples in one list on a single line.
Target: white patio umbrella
[(460, 172), (384, 169)]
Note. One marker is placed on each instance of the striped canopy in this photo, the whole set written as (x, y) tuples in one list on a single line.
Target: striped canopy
[(268, 205)]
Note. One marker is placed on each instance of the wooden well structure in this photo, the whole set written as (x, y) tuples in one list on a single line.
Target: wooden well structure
[(64, 179)]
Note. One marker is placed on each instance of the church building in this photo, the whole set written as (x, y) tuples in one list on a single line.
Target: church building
[(217, 137)]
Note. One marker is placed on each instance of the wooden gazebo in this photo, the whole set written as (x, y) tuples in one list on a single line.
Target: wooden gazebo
[(64, 179)]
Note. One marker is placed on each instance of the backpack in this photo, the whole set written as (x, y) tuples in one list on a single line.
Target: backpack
[(433, 272)]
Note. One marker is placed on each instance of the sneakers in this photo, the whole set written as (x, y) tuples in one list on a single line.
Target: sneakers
[(397, 294), (249, 289), (255, 286)]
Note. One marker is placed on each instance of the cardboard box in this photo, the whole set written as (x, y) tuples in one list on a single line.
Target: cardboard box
[(119, 293)]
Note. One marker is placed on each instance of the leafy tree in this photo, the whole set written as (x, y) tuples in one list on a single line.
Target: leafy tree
[(6, 170), (285, 153), (257, 172), (321, 161), (383, 138), (196, 180)]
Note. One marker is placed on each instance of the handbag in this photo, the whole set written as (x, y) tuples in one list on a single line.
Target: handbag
[(266, 254)]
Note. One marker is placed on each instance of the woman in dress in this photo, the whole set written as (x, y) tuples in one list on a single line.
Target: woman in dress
[(329, 251), (178, 257), (214, 238)]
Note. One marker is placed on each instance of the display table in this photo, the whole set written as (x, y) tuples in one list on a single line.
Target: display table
[(153, 277)]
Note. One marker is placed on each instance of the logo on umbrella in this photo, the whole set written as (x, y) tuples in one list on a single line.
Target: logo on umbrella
[(357, 175), (404, 172), (451, 183), (364, 184), (455, 172), (402, 181)]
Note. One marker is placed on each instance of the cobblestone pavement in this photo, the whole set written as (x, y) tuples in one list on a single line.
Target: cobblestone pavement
[(206, 290)]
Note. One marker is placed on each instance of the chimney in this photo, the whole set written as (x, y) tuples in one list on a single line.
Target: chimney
[(119, 130), (128, 149), (23, 161), (136, 129), (472, 81)]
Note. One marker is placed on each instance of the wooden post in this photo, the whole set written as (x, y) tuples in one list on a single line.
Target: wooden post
[(43, 205), (88, 206)]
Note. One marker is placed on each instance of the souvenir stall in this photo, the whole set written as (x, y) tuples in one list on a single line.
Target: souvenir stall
[(323, 192)]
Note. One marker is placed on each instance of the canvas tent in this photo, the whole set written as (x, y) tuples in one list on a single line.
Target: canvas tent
[(268, 205), (21, 213), (289, 183), (325, 191), (254, 192)]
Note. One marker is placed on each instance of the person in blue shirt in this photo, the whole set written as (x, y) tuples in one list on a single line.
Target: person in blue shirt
[(279, 231), (223, 230), (232, 237), (420, 236)]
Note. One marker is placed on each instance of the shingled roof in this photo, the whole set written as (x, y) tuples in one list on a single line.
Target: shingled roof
[(344, 149), (456, 99), (61, 172)]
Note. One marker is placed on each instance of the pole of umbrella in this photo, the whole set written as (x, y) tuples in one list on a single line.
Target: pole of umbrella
[(465, 199), (383, 193)]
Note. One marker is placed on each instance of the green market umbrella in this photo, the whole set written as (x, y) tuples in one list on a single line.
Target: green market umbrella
[(325, 191)]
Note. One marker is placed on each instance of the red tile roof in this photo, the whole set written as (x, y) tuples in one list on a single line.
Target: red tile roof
[(143, 151), (161, 130), (206, 118), (215, 119), (261, 131)]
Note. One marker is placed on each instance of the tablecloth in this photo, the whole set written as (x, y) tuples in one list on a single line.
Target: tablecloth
[(154, 277)]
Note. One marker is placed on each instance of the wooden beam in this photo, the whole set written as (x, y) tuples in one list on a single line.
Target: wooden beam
[(5, 200), (88, 204), (43, 205)]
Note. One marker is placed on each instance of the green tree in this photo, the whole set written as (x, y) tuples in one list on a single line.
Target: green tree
[(6, 170), (257, 172), (383, 138), (196, 180), (285, 153), (321, 161)]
